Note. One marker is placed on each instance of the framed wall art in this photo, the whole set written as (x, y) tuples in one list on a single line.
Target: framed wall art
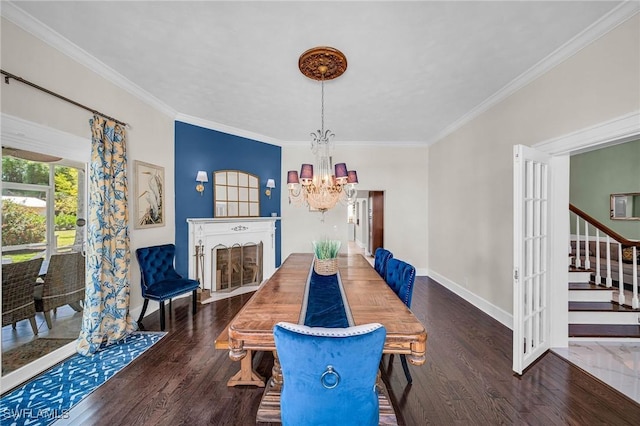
[(149, 195)]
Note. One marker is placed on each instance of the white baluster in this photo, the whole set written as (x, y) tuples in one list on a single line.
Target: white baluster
[(587, 260), (621, 298), (598, 276), (609, 281), (578, 262), (635, 304)]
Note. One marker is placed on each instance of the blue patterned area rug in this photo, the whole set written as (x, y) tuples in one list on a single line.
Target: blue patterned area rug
[(49, 396)]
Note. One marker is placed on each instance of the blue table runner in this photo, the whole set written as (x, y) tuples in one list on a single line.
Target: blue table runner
[(325, 303)]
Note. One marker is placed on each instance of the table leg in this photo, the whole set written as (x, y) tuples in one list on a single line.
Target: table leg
[(247, 375)]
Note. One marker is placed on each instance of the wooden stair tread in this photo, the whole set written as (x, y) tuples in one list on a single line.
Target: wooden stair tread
[(604, 330), (581, 269), (600, 307), (589, 286)]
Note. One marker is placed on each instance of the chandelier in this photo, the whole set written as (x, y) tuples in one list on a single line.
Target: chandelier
[(322, 187)]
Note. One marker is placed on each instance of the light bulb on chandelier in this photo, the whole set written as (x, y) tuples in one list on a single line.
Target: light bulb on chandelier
[(321, 189)]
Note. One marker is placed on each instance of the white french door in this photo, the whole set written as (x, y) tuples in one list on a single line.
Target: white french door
[(531, 313)]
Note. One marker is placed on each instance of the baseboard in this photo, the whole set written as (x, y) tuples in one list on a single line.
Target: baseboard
[(488, 308)]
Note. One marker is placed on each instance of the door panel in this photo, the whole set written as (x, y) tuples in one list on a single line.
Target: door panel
[(531, 256)]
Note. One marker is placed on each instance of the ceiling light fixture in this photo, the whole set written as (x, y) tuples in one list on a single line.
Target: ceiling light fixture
[(321, 189)]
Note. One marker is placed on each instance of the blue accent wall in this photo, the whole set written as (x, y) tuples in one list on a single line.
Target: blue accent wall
[(197, 148)]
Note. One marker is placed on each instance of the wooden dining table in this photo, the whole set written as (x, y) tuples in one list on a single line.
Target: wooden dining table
[(280, 298)]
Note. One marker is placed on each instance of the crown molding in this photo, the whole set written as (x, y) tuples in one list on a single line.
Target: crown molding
[(366, 144), (35, 27), (618, 130), (608, 22), (212, 125)]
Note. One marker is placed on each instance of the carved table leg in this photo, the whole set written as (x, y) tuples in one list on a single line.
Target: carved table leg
[(269, 408), (276, 373), (246, 375)]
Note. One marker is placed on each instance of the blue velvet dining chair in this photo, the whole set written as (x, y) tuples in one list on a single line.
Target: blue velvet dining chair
[(329, 374), (401, 277), (159, 279), (381, 258)]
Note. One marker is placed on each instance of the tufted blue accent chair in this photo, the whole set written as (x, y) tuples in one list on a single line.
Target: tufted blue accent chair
[(400, 277), (159, 279), (381, 258), (329, 374)]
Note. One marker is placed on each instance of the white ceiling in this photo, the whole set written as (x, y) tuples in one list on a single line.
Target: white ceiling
[(415, 69)]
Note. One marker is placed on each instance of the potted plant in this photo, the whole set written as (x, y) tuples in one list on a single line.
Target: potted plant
[(326, 256)]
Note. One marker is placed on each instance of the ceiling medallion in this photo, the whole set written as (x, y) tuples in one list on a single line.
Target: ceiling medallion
[(322, 62)]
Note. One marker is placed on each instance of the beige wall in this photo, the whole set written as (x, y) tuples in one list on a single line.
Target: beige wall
[(399, 171), (470, 242), (150, 137)]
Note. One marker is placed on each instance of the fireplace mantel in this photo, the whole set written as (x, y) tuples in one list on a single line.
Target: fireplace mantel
[(209, 233)]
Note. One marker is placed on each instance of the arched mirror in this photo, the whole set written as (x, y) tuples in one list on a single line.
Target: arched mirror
[(236, 194)]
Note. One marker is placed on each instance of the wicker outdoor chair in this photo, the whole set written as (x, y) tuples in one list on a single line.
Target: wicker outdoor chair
[(64, 284), (18, 282)]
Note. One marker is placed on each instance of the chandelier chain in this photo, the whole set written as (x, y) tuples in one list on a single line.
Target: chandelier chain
[(322, 105)]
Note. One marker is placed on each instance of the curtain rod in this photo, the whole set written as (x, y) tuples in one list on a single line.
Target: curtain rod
[(8, 76)]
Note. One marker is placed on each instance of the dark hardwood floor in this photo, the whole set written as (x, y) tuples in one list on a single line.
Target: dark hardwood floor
[(467, 379)]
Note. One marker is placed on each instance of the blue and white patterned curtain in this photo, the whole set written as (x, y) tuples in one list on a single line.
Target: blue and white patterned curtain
[(106, 317)]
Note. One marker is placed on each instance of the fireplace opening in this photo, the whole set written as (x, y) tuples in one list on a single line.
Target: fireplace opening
[(237, 266)]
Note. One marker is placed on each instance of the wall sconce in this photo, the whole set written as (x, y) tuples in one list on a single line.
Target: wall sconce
[(270, 185), (201, 178)]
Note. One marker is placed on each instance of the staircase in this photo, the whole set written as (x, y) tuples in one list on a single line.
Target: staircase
[(597, 309), (594, 313)]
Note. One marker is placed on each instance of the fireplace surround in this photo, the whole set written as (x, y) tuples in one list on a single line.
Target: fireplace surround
[(231, 256)]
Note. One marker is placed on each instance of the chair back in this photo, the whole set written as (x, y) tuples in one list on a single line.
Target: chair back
[(156, 264), (329, 374), (65, 280), (18, 281), (381, 258), (400, 277)]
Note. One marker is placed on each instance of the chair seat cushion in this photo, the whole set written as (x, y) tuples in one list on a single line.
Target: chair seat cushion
[(170, 288)]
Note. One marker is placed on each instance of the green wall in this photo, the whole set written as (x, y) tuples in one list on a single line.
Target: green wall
[(597, 174)]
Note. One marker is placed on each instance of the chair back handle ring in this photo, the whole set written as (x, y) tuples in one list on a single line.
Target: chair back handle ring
[(330, 378)]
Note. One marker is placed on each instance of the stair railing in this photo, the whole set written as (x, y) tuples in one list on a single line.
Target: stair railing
[(582, 260)]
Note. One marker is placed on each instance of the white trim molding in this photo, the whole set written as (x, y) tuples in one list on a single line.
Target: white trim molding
[(20, 133), (617, 130), (488, 308), (212, 125)]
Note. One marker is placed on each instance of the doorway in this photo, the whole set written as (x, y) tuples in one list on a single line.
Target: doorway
[(72, 154), (619, 130), (43, 216)]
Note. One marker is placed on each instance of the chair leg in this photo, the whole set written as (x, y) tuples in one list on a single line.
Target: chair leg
[(405, 367), (144, 309), (162, 314), (194, 300), (76, 306), (34, 326), (47, 318)]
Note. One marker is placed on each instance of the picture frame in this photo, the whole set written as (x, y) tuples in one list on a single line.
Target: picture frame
[(149, 185)]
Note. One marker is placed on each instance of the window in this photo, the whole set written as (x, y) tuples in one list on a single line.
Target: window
[(41, 203)]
